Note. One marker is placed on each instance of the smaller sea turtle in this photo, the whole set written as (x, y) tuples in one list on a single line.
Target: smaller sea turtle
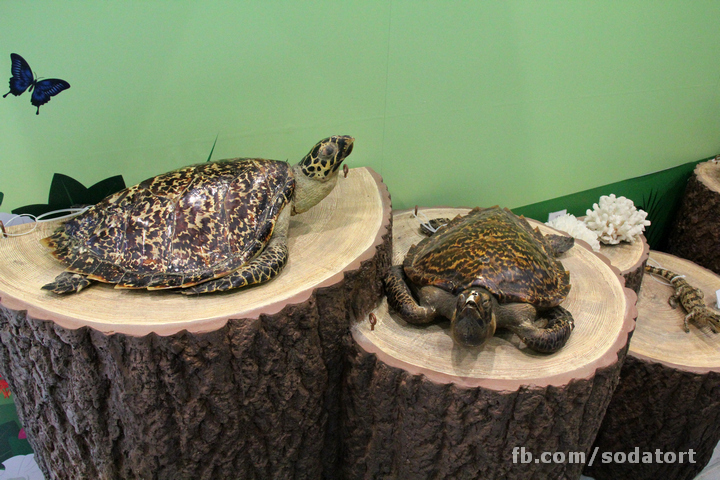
[(203, 228), (488, 269)]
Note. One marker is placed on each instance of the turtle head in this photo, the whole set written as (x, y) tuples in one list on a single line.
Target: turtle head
[(316, 174), (474, 319), (326, 157)]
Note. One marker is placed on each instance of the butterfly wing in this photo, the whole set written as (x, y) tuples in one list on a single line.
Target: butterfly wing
[(22, 76), (45, 89)]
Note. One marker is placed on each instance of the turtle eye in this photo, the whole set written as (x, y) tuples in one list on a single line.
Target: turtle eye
[(328, 150), (486, 299)]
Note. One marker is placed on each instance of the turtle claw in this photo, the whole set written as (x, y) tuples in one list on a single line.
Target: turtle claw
[(67, 282)]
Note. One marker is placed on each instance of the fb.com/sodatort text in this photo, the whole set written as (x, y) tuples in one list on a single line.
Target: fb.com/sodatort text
[(522, 455)]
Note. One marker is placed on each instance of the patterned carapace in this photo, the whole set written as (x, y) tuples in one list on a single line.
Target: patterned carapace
[(483, 271), (179, 228), (494, 249)]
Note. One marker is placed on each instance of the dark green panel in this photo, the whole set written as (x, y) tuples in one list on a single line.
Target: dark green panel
[(657, 193)]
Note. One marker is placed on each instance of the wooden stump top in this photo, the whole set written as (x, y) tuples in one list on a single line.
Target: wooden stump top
[(333, 237), (659, 334), (627, 257), (709, 174), (603, 310)]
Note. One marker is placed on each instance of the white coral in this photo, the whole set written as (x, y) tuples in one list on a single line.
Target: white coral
[(616, 220), (576, 229)]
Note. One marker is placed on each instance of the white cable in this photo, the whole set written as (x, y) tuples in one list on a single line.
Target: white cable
[(71, 212), (662, 280), (426, 221)]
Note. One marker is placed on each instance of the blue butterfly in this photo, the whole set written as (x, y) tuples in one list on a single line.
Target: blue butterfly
[(22, 78)]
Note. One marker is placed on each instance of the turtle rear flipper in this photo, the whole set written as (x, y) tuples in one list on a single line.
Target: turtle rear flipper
[(431, 226), (550, 338), (265, 267), (67, 282), (262, 268)]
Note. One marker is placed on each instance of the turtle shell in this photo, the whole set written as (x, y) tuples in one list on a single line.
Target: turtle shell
[(494, 249), (180, 228)]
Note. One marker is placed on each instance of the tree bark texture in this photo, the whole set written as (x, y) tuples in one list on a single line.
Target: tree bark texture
[(255, 398), (417, 406), (634, 278), (695, 234), (404, 426), (657, 407), (630, 259), (668, 398), (258, 398)]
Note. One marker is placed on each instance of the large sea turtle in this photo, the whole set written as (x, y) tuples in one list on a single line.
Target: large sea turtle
[(488, 269), (203, 228)]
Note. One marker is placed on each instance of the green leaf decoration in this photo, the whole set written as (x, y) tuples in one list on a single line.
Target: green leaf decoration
[(2, 195), (213, 148), (8, 430), (651, 204), (105, 188), (66, 192)]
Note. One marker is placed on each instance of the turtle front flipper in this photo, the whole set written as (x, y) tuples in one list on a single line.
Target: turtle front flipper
[(400, 298), (559, 244), (550, 338), (67, 282)]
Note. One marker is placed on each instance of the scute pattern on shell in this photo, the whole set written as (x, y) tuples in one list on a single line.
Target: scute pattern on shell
[(179, 228), (494, 249)]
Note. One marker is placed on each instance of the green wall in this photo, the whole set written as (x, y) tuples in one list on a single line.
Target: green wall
[(454, 103)]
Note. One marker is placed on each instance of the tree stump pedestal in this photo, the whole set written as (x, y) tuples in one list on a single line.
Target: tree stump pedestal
[(630, 259), (668, 398), (418, 406), (695, 234), (124, 384)]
